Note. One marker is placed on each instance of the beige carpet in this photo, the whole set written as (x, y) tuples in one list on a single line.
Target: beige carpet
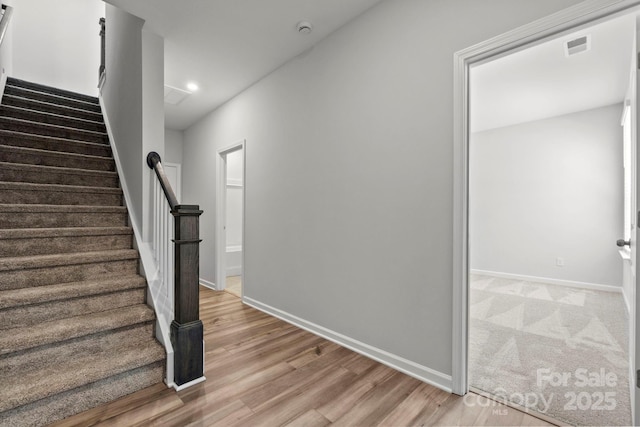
[(557, 350), (234, 285)]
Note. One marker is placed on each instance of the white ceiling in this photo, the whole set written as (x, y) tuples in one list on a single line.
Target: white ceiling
[(227, 45), (541, 82)]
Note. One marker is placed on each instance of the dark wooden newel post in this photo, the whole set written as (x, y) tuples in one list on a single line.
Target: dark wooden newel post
[(186, 328)]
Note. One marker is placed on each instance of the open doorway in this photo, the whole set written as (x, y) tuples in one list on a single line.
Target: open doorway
[(230, 219), (548, 307)]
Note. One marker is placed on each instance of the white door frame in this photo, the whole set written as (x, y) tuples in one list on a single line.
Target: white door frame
[(565, 21), (221, 211)]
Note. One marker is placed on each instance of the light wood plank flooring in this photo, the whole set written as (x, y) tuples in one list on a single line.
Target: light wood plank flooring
[(262, 371)]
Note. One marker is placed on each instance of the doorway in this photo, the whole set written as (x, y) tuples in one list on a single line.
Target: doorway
[(511, 280), (230, 191)]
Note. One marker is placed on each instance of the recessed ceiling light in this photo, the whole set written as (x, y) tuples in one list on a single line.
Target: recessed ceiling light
[(192, 87)]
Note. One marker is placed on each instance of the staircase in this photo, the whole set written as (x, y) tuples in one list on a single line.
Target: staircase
[(75, 331)]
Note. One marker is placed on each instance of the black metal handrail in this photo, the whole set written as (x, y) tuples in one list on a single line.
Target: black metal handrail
[(186, 327), (155, 162), (103, 54), (7, 11)]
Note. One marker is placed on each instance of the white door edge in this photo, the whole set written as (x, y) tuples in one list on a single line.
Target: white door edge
[(221, 213)]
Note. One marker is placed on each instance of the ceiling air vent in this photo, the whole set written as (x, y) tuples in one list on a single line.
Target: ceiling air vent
[(576, 46), (174, 96)]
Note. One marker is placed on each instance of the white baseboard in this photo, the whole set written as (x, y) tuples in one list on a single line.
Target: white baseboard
[(415, 370), (549, 281), (208, 284)]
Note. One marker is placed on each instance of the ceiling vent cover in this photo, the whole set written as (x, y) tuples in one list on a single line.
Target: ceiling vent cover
[(578, 45), (174, 96)]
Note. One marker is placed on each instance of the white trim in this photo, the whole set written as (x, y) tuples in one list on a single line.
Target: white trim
[(149, 266), (566, 20), (221, 211), (234, 182), (190, 383), (415, 370), (208, 284), (551, 281)]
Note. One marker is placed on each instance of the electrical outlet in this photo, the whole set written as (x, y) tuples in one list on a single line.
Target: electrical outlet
[(559, 262)]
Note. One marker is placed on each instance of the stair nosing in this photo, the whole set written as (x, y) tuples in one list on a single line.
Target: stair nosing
[(42, 327), (48, 125), (61, 106), (94, 102), (19, 134), (37, 233), (59, 188), (59, 116), (49, 153), (72, 258), (82, 371), (59, 169), (60, 291), (44, 208)]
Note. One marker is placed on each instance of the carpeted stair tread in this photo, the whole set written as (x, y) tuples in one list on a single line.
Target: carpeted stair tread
[(83, 368), (38, 174), (59, 194), (37, 87), (36, 314), (53, 144), (27, 233), (43, 261), (34, 186), (18, 339), (26, 316), (45, 97), (75, 327), (43, 129), (34, 156), (14, 362), (47, 218), (22, 208), (51, 118), (60, 406), (49, 107), (42, 241), (42, 294)]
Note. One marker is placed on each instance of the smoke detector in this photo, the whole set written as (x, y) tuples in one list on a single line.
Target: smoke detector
[(577, 45), (304, 27)]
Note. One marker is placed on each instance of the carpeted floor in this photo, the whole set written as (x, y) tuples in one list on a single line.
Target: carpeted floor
[(557, 350)]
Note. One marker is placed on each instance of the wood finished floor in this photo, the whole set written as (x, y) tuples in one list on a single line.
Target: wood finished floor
[(262, 371)]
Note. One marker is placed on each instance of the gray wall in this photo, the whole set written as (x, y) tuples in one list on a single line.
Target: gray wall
[(549, 189), (122, 95), (173, 142), (349, 174), (133, 96), (152, 118)]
